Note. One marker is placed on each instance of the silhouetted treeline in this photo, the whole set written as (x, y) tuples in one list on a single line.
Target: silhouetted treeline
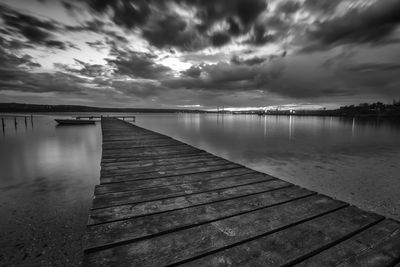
[(32, 108), (374, 109), (377, 109)]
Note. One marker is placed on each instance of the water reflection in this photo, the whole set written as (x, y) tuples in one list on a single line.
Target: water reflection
[(46, 185), (291, 126), (352, 159)]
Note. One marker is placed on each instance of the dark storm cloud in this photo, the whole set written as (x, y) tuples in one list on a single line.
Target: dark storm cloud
[(96, 44), (323, 6), (234, 28), (194, 71), (129, 13), (290, 7), (373, 67), (224, 77), (58, 82), (94, 25), (374, 24), (171, 31), (86, 69), (138, 89), (249, 61), (220, 39), (162, 27), (260, 36), (16, 75), (35, 30), (99, 27), (12, 62), (13, 44), (138, 65), (209, 12)]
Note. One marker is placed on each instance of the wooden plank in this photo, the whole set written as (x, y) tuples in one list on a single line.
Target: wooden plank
[(156, 163), (286, 247), (155, 160), (155, 175), (148, 194), (168, 181), (132, 147), (164, 168), (118, 149), (199, 240), (346, 252), (133, 210), (148, 153), (138, 228), (385, 253), (162, 156)]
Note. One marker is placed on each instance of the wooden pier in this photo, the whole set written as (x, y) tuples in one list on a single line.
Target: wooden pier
[(123, 117), (161, 202)]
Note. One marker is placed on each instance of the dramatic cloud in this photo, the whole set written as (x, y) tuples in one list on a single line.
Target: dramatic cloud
[(372, 24), (172, 31), (35, 30), (186, 53), (128, 13), (138, 65)]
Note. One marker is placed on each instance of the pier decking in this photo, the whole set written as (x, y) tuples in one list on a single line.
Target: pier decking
[(161, 202)]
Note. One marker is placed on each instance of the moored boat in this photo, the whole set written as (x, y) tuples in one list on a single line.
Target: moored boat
[(74, 121)]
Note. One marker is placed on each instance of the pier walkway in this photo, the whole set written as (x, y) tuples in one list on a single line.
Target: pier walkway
[(161, 202)]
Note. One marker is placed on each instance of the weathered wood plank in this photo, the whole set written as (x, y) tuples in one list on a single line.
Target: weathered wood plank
[(163, 169), (289, 245), (148, 194), (131, 145), (128, 230), (154, 175), (168, 181), (156, 163), (161, 156), (192, 242), (347, 251), (137, 160), (150, 207), (148, 152)]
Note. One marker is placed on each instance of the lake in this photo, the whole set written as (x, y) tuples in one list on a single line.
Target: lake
[(48, 172)]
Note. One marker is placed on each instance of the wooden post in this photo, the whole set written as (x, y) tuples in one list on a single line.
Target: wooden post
[(3, 124), (15, 122), (26, 124)]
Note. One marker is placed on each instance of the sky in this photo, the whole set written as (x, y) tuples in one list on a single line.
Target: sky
[(200, 54)]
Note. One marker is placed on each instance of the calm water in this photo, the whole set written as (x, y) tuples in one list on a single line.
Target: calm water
[(48, 172), (46, 186)]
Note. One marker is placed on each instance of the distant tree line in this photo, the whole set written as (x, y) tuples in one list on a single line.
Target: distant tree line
[(377, 109), (32, 108)]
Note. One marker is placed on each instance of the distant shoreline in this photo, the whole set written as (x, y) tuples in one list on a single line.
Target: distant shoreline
[(360, 111)]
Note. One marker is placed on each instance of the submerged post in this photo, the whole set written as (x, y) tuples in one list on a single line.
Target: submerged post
[(15, 122), (26, 124), (3, 125)]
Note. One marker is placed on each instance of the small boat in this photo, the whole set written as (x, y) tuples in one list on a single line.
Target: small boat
[(74, 121)]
